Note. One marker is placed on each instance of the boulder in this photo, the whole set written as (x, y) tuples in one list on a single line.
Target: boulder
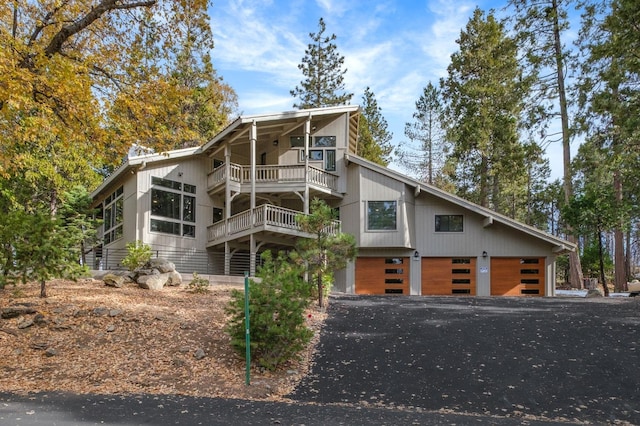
[(16, 311), (175, 279), (113, 280), (153, 282), (162, 265), (594, 293)]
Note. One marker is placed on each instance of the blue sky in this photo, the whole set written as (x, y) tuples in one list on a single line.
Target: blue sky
[(395, 47)]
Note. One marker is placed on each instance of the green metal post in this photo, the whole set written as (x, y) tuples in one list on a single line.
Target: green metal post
[(247, 333)]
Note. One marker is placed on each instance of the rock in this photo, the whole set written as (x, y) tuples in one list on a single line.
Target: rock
[(199, 354), (175, 279), (16, 311), (40, 319), (162, 265), (153, 282), (113, 280), (111, 328), (41, 346), (25, 323), (51, 352), (100, 311), (594, 293), (115, 312)]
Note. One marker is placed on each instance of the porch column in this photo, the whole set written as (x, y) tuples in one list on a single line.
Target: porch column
[(253, 136), (307, 139), (252, 256), (227, 191), (252, 239), (227, 259)]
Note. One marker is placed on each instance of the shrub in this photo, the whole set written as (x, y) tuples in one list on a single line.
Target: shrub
[(198, 284), (276, 304), (138, 253)]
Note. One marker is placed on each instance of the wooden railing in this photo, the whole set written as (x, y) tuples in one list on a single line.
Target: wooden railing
[(266, 214), (271, 174)]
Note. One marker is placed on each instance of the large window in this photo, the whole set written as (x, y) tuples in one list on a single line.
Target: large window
[(113, 216), (381, 215), (449, 223), (173, 208)]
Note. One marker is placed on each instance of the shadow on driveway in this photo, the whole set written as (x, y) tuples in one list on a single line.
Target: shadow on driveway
[(574, 360)]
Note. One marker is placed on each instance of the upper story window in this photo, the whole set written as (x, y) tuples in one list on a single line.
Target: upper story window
[(324, 141), (113, 216), (296, 141), (449, 223), (173, 209), (381, 215)]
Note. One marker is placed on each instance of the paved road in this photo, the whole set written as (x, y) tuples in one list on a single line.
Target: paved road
[(413, 360), (560, 359)]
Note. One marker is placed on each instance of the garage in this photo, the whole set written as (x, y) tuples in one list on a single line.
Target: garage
[(446, 276), (382, 275), (518, 276)]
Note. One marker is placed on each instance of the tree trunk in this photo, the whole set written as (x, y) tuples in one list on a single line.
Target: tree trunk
[(575, 268), (320, 298), (43, 288), (618, 236), (601, 256)]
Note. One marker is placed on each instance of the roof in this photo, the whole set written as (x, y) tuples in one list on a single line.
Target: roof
[(561, 245), (297, 117), (139, 162)]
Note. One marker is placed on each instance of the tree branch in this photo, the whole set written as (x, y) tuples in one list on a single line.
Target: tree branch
[(58, 40)]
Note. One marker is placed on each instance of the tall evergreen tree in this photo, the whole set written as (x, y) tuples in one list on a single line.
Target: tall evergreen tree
[(540, 26), (374, 139), (610, 104), (324, 77), (485, 95), (426, 160)]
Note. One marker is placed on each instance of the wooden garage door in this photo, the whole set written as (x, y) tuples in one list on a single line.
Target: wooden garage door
[(448, 276), (517, 276), (382, 275)]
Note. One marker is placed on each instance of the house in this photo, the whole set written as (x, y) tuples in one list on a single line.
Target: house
[(215, 208)]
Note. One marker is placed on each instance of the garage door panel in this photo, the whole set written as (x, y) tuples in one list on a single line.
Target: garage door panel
[(382, 275), (517, 276), (446, 276)]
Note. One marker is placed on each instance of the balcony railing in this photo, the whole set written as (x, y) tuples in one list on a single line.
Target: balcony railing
[(284, 220), (273, 174)]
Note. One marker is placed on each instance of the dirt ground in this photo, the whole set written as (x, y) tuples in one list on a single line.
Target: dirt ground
[(90, 338)]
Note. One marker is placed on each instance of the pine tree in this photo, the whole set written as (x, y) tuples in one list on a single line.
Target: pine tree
[(540, 26), (485, 101), (374, 140), (426, 159), (322, 68)]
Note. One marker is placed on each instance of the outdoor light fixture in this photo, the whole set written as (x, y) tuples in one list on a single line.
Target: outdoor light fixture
[(416, 254), (484, 254), (275, 143)]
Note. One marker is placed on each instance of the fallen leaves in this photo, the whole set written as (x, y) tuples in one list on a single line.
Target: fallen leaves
[(91, 338)]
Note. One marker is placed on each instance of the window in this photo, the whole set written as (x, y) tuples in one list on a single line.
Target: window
[(173, 210), (315, 155), (296, 141), (381, 216), (449, 223), (113, 216), (324, 141), (330, 160), (218, 214)]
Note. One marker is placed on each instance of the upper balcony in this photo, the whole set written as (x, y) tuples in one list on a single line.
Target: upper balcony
[(272, 178)]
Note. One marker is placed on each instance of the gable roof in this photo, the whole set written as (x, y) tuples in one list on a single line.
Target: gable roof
[(561, 246), (139, 162)]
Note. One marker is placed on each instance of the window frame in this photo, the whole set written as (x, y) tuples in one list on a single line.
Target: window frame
[(113, 212), (369, 216), (450, 227), (182, 215)]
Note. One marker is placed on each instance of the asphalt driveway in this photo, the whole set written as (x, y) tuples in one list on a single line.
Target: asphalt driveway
[(574, 360)]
